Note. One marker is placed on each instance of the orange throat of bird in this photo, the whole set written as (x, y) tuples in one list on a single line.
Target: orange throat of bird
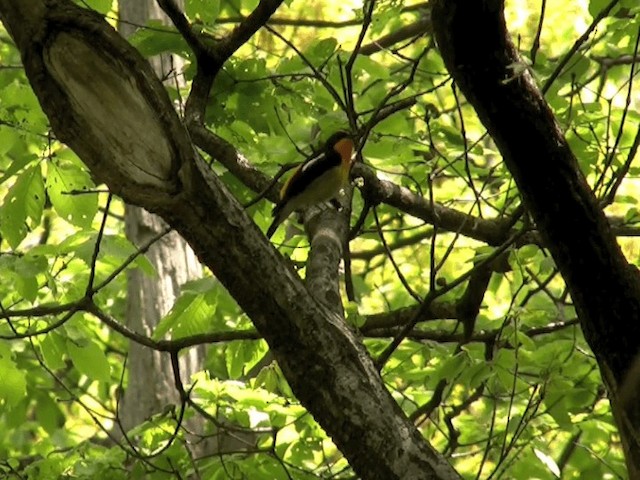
[(344, 147)]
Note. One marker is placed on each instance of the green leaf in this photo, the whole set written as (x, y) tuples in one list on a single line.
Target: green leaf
[(53, 349), (453, 366), (101, 6), (578, 67), (90, 360), (65, 182), (476, 374), (352, 316), (556, 403), (18, 162), (291, 65), (242, 356), (527, 253), (234, 355), (596, 6), (13, 384), (191, 314), (375, 70), (159, 38), (25, 199), (321, 50), (206, 10), (27, 268), (114, 251), (8, 138), (268, 379), (48, 413)]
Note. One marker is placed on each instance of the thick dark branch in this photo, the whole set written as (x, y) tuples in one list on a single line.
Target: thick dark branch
[(225, 153), (493, 232), (469, 305), (489, 336), (534, 149), (605, 289), (212, 53), (438, 310)]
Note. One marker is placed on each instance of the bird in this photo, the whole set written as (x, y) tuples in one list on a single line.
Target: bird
[(319, 179)]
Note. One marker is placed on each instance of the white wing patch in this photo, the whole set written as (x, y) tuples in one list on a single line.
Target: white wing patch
[(311, 161)]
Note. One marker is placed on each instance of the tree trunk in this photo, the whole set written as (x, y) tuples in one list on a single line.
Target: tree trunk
[(151, 386), (605, 289)]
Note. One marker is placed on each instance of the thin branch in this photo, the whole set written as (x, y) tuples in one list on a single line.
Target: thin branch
[(144, 248), (170, 345), (576, 46), (298, 22), (96, 249), (433, 294), (536, 41), (622, 171), (416, 29), (348, 68), (389, 255), (402, 242), (317, 73), (49, 328)]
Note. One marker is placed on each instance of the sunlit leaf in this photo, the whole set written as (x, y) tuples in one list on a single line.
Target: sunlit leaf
[(89, 359), (102, 6), (13, 384), (158, 38), (66, 185), (24, 200), (205, 10), (53, 349)]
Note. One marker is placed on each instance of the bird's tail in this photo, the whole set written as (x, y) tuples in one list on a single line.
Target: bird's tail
[(277, 220)]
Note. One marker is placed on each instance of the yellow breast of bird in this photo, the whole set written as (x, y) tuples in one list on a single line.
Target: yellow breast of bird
[(322, 189)]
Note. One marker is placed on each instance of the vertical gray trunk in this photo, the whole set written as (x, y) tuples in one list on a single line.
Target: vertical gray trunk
[(151, 384)]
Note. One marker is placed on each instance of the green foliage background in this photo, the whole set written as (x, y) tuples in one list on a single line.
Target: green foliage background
[(522, 399)]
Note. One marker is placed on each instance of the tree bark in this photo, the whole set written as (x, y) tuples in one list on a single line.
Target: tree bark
[(96, 91), (605, 289)]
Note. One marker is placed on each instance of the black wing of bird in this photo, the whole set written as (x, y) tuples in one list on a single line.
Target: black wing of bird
[(312, 169)]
